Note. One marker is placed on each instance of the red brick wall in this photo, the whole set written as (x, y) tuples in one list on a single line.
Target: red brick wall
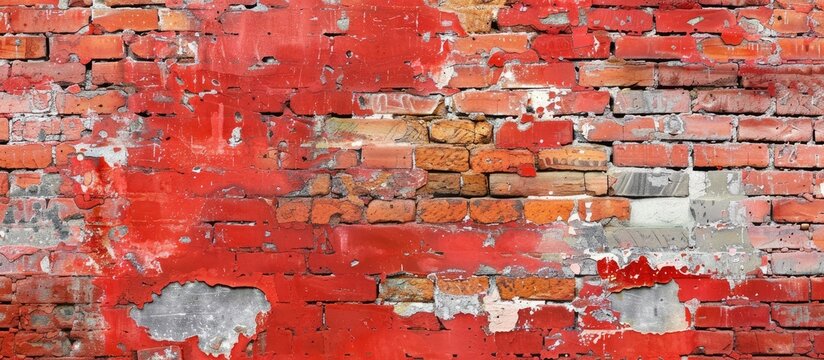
[(411, 179)]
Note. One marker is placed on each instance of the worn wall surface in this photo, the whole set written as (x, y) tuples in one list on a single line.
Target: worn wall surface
[(411, 179)]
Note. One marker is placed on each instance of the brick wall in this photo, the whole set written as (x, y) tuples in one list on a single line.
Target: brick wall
[(411, 179)]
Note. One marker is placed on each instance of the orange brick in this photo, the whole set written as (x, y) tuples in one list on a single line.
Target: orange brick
[(442, 210), (380, 211), (547, 211), (536, 288), (387, 157), (494, 210)]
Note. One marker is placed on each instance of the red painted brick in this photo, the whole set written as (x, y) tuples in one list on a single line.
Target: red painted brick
[(731, 155), (719, 316), (651, 155)]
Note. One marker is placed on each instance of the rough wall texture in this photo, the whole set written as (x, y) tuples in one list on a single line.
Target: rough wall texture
[(411, 179)]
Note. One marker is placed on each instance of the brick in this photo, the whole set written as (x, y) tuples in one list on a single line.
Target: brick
[(679, 74), (33, 156), (768, 342), (731, 155), (387, 157), (817, 288), (627, 74), (799, 156), (694, 20), (776, 289), (655, 48), (629, 20), (166, 352), (671, 127), (797, 263), (651, 101), (5, 132), (480, 44), (486, 160), (774, 129), (398, 103), (519, 76), (797, 102), (601, 208), (111, 20), (719, 316), (48, 71), (460, 131), (547, 211), (799, 315), (294, 210), (28, 20), (554, 183), (535, 135), (86, 47), (407, 289), (553, 47), (442, 210), (489, 211), (92, 102), (546, 316), (777, 182), (800, 49), (177, 20), (536, 288), (732, 101), (490, 102), (325, 211), (380, 211), (754, 51), (468, 286), (473, 184), (443, 158), (441, 184), (270, 263), (574, 157), (798, 210), (53, 290), (22, 47), (651, 155)]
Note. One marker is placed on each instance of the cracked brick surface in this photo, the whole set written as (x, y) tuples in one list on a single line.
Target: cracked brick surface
[(411, 179)]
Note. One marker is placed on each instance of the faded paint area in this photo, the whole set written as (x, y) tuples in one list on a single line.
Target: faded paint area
[(216, 315), (651, 310)]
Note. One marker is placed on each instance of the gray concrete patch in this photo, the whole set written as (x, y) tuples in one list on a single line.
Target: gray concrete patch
[(217, 315), (650, 183), (660, 212), (654, 309), (668, 238)]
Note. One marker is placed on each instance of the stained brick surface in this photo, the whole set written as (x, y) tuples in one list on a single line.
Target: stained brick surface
[(412, 179)]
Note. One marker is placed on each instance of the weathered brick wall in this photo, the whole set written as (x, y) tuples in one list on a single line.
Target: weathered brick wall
[(411, 179)]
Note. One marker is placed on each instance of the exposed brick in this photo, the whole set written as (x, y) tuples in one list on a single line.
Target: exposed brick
[(443, 158), (536, 288), (380, 211), (574, 157), (485, 160), (547, 211), (407, 289), (442, 210), (488, 211)]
